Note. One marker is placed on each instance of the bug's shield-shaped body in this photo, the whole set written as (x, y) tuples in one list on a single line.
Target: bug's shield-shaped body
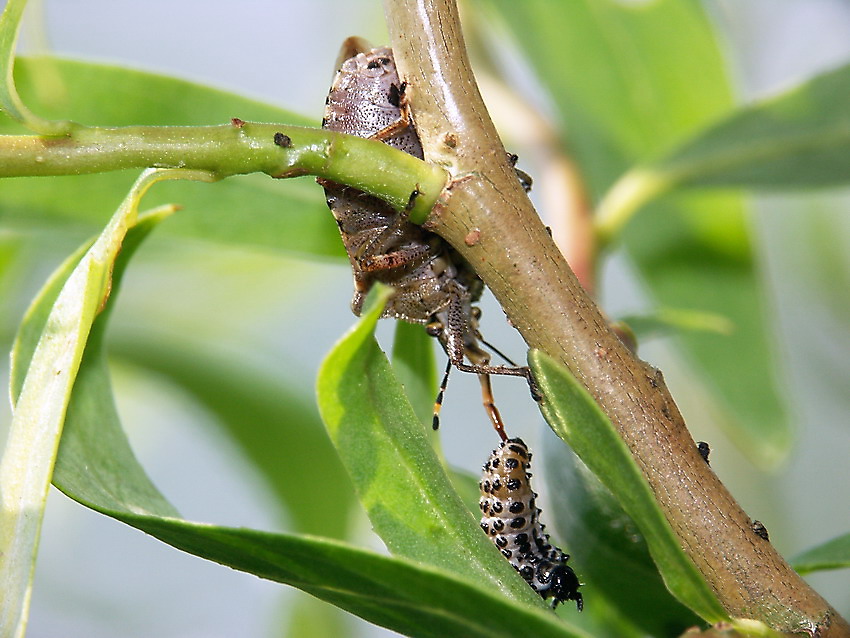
[(511, 518), (432, 283)]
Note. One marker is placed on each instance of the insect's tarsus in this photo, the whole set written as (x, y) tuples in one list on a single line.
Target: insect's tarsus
[(438, 404)]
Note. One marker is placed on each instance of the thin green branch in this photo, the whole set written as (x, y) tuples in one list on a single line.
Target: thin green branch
[(234, 149)]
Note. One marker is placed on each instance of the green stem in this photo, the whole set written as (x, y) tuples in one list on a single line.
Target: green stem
[(234, 149)]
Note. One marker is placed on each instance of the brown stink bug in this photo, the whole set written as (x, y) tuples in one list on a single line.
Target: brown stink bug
[(433, 284)]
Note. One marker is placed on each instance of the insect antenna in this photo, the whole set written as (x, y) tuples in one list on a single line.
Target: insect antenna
[(497, 351), (438, 404)]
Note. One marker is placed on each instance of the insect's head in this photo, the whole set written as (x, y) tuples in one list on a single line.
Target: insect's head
[(565, 586)]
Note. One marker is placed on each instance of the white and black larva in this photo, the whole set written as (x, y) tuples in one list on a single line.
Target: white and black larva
[(510, 517)]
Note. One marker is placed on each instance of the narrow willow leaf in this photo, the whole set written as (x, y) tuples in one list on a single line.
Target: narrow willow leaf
[(412, 599), (285, 215), (414, 364), (574, 416), (10, 22), (42, 399), (397, 475), (834, 554), (798, 139), (608, 550)]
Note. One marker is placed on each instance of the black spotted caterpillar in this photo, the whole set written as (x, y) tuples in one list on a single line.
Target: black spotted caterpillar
[(510, 517)]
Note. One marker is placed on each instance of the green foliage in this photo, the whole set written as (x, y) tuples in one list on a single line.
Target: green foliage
[(96, 467), (650, 143), (833, 554), (628, 96), (574, 416)]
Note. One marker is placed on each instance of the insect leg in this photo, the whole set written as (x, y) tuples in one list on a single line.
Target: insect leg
[(438, 404), (520, 371), (490, 405), (379, 243), (397, 98), (459, 340)]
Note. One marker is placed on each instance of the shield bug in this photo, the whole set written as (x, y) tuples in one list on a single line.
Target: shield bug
[(511, 518), (433, 284)]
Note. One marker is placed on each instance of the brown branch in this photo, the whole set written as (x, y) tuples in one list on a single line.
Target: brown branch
[(517, 259)]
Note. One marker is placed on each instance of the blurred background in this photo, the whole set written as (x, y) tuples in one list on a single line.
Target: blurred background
[(98, 578)]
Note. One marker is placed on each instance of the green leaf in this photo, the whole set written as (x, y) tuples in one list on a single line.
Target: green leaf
[(575, 417), (415, 366), (621, 74), (10, 22), (798, 139), (834, 554), (283, 215), (622, 78), (607, 548), (275, 424), (96, 467), (57, 328), (414, 600), (397, 475)]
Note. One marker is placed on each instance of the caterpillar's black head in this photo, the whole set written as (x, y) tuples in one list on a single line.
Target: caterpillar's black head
[(564, 586)]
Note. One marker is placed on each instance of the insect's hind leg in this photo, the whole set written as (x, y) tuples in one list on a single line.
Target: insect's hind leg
[(486, 399), (515, 371), (398, 98), (458, 334), (371, 252), (490, 406)]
